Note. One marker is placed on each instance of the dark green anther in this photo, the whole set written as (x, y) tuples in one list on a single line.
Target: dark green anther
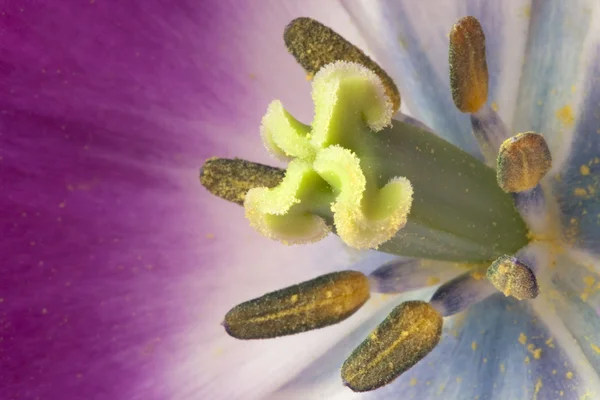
[(314, 45), (230, 179), (513, 278), (313, 304), (407, 335)]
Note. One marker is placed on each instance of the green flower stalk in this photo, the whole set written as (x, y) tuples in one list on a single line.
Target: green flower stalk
[(376, 182)]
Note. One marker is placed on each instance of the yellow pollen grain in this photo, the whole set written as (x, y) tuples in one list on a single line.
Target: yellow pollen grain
[(550, 343), (495, 106), (433, 280), (458, 379), (580, 192), (569, 375), (565, 115), (522, 338), (413, 382), (584, 169), (477, 275), (589, 281), (553, 372), (294, 299), (474, 345), (595, 348), (538, 387), (527, 360), (502, 368)]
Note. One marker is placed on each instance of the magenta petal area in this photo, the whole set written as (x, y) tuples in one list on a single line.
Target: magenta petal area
[(104, 122)]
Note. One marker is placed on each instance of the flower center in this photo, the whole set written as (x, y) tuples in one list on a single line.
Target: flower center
[(391, 185)]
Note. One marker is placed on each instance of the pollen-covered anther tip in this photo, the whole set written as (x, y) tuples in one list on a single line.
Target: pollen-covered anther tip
[(405, 337), (315, 45), (513, 278), (364, 217), (313, 304), (523, 160), (231, 179), (468, 65), (342, 80)]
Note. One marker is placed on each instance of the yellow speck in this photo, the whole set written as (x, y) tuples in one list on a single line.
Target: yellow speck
[(584, 169), (495, 106), (526, 12), (537, 354), (550, 343), (538, 386), (565, 115), (596, 348), (294, 299), (573, 88), (477, 275), (485, 360), (553, 372), (502, 368), (569, 375), (522, 338), (433, 280), (589, 281), (527, 360), (413, 382), (458, 379), (580, 192), (328, 294), (474, 345), (210, 235)]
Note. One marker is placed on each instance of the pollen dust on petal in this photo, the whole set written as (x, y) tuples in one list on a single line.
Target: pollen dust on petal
[(565, 115)]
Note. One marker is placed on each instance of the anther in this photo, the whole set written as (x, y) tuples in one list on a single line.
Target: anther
[(313, 304), (407, 335), (315, 45), (522, 162), (468, 66), (230, 179), (513, 278)]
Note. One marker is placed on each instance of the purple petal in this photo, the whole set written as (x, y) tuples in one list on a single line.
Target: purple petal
[(117, 265)]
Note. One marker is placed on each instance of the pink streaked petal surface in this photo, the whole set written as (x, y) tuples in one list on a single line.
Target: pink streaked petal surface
[(113, 256)]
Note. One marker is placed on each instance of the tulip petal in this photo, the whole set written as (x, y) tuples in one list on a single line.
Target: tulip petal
[(562, 39), (498, 349), (112, 250), (411, 41)]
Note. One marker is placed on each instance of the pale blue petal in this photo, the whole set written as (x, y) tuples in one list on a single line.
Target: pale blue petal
[(410, 39), (551, 86), (577, 187), (481, 355)]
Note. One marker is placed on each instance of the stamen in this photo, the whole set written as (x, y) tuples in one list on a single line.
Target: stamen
[(313, 304), (489, 131), (407, 335), (400, 276), (314, 45), (513, 278), (523, 161), (461, 293), (468, 66), (230, 179)]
